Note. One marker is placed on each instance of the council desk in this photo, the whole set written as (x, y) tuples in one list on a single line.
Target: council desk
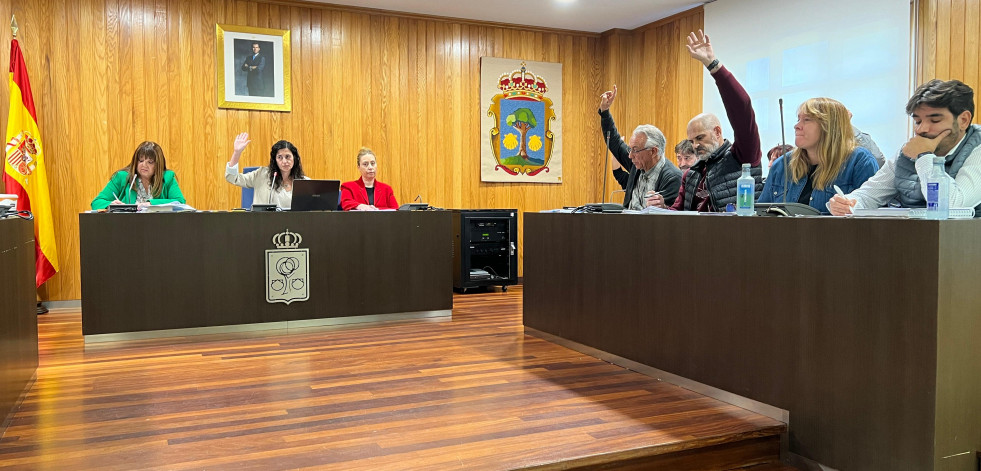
[(866, 331), (18, 316), (161, 271)]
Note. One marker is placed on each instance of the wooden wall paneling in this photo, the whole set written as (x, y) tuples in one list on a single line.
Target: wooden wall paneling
[(181, 97), (406, 85), (63, 127), (92, 104), (972, 33), (464, 136), (204, 127), (678, 77), (947, 42), (955, 53), (926, 40), (943, 39)]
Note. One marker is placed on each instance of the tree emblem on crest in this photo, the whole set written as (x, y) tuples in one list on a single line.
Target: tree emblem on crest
[(521, 138)]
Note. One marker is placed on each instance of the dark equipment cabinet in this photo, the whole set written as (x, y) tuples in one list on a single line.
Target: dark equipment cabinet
[(485, 248)]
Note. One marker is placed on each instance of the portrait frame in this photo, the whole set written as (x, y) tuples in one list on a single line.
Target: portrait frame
[(251, 78)]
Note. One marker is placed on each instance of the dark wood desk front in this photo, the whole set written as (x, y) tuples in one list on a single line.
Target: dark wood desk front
[(18, 316), (867, 331), (143, 272)]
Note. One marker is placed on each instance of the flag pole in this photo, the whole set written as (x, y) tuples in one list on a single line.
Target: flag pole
[(13, 25)]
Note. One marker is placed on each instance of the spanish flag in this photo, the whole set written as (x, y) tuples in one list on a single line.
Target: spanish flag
[(24, 173)]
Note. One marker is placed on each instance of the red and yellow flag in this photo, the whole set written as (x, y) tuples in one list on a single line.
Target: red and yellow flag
[(24, 173)]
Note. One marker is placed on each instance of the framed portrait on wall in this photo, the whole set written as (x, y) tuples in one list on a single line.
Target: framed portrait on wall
[(253, 68)]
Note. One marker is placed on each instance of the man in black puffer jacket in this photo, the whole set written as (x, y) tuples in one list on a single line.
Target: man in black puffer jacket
[(710, 184)]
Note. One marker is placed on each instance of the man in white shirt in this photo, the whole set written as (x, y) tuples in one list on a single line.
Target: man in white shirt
[(942, 113)]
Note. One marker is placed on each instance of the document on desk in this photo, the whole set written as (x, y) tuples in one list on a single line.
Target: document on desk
[(168, 208), (910, 213), (656, 210), (881, 212)]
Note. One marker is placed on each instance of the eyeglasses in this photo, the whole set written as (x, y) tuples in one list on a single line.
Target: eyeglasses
[(637, 151)]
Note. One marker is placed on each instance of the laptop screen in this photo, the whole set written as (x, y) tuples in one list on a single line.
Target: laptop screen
[(316, 195)]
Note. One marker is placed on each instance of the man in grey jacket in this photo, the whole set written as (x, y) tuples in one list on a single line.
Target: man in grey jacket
[(643, 157)]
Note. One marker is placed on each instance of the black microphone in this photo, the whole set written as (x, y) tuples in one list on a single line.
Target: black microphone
[(603, 207), (783, 145), (606, 166), (418, 198)]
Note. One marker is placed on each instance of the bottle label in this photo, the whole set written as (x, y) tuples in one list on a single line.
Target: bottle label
[(744, 196), (933, 196)]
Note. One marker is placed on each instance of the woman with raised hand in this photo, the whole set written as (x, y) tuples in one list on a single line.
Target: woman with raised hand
[(272, 184)]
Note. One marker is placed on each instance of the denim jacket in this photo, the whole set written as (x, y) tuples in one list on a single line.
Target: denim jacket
[(859, 166)]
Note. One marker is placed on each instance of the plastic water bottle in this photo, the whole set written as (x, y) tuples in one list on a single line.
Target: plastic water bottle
[(745, 193), (938, 191)]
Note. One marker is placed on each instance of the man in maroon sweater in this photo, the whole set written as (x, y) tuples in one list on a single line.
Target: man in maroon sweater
[(710, 184)]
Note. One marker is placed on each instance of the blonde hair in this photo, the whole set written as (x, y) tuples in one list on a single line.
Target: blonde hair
[(836, 143), (363, 152)]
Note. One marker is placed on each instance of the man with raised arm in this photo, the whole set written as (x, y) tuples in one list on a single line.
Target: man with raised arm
[(710, 184), (642, 157)]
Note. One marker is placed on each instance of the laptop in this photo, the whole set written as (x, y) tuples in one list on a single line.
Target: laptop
[(315, 195)]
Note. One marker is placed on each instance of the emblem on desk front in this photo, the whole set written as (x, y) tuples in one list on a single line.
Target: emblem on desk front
[(287, 269)]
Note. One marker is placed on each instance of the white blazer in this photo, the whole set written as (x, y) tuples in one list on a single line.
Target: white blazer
[(259, 182)]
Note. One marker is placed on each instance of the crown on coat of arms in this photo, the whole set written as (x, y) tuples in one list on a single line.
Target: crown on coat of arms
[(287, 240), (522, 83)]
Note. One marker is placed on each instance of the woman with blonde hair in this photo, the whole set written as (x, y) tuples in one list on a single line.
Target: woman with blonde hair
[(827, 155), (145, 181), (367, 193)]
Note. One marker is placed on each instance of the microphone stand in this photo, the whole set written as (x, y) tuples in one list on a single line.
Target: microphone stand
[(783, 145), (606, 167), (272, 184)]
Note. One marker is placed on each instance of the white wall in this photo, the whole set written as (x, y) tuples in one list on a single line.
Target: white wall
[(857, 52)]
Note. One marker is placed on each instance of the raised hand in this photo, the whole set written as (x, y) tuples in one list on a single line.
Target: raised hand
[(919, 144), (606, 99), (241, 141), (700, 48)]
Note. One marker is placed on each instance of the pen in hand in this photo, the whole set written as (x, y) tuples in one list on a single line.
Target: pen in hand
[(842, 194)]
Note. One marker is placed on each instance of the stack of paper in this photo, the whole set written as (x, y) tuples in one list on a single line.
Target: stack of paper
[(168, 208)]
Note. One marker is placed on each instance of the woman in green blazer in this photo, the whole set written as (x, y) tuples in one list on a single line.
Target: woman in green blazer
[(143, 182)]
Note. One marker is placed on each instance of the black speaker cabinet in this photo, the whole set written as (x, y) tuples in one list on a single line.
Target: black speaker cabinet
[(485, 248)]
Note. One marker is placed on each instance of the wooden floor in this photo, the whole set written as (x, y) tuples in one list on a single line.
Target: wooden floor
[(471, 393)]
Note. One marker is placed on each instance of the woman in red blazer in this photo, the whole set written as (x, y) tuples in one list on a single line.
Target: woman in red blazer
[(366, 193)]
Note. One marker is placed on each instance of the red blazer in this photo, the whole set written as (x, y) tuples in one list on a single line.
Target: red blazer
[(354, 193)]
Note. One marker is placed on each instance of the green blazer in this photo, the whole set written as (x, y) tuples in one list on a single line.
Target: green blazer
[(169, 193)]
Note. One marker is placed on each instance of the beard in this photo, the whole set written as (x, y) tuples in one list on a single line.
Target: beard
[(948, 143), (703, 151)]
